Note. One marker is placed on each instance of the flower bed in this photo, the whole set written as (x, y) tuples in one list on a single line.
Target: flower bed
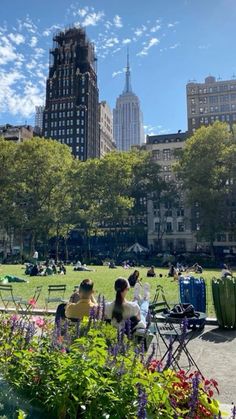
[(87, 370)]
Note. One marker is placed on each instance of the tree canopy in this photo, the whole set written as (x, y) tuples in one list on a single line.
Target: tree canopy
[(206, 169)]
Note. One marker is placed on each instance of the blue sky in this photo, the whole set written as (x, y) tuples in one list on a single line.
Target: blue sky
[(170, 43)]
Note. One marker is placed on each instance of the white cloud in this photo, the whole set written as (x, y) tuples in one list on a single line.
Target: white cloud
[(33, 41), (118, 72), (175, 45), (82, 12), (206, 46), (150, 44), (155, 28), (53, 28), (111, 42), (108, 24), (139, 31), (117, 21), (92, 19), (126, 41), (27, 24), (16, 38), (171, 25), (7, 52)]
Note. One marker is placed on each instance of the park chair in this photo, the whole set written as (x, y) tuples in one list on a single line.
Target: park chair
[(171, 334), (56, 294), (7, 297), (27, 306)]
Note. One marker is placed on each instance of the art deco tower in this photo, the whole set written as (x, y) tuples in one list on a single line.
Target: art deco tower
[(71, 109), (127, 117)]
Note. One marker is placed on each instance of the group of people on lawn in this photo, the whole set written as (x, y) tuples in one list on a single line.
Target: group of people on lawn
[(116, 312)]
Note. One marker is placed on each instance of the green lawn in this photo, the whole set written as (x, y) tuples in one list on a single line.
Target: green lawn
[(103, 278)]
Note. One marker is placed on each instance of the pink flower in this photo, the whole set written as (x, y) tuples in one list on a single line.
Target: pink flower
[(15, 317), (40, 322), (32, 302)]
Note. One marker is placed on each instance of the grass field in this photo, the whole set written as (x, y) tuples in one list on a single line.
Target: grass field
[(103, 278)]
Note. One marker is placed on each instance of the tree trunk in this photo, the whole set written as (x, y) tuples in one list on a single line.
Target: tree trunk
[(32, 243), (66, 249)]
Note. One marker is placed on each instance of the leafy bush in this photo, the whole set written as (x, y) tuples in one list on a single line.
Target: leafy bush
[(89, 370)]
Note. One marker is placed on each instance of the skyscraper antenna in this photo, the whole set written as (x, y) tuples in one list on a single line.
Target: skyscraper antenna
[(127, 75)]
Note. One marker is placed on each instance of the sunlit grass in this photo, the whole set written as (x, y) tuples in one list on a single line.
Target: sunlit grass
[(103, 278)]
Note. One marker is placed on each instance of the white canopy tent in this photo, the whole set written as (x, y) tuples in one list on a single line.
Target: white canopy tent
[(136, 248)]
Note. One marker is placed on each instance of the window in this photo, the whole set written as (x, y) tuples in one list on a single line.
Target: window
[(166, 154), (225, 108), (180, 226), (169, 228), (213, 100), (156, 154), (180, 212)]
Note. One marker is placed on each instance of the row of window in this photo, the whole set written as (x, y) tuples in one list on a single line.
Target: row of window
[(55, 115), (210, 120), (212, 109), (169, 212), (212, 89), (63, 123), (169, 227), (64, 105)]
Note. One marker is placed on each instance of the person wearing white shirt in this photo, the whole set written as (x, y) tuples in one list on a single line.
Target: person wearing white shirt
[(121, 309)]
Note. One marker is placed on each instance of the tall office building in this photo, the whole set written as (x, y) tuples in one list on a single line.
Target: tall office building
[(127, 117), (107, 143), (214, 100), (71, 109), (38, 125)]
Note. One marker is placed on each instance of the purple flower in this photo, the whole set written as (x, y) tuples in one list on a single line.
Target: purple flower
[(169, 354), (30, 332), (103, 308), (128, 328), (78, 329), (142, 403), (194, 396)]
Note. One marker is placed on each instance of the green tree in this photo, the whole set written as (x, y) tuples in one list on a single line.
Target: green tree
[(7, 189), (207, 172), (39, 181)]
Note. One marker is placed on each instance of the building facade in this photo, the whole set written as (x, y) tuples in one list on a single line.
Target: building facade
[(16, 133), (213, 100), (38, 124), (169, 222), (127, 117), (107, 143), (71, 109)]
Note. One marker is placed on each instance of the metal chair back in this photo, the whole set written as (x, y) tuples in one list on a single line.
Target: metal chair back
[(7, 297), (56, 294)]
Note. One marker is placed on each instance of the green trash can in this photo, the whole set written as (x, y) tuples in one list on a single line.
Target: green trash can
[(224, 299)]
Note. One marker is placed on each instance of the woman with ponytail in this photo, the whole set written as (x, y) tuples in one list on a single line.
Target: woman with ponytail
[(121, 309)]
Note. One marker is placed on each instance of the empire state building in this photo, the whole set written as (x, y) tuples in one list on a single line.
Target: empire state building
[(127, 117)]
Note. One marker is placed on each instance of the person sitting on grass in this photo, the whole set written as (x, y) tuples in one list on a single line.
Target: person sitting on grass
[(80, 305), (120, 310), (226, 271), (151, 273), (134, 278)]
